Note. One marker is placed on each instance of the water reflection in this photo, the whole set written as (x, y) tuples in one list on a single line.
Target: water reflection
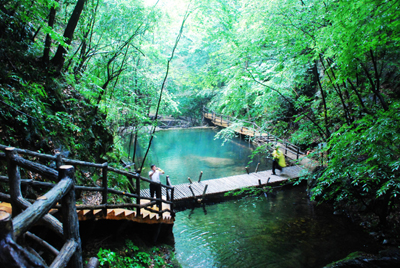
[(281, 231)]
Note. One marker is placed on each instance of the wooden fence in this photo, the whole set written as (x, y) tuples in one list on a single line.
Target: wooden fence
[(25, 213)]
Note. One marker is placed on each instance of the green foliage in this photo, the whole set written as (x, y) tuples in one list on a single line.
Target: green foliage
[(249, 191), (364, 163), (263, 151), (131, 257), (305, 135)]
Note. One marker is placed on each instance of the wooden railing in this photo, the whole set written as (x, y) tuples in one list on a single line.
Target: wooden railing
[(134, 179), (262, 135), (26, 214)]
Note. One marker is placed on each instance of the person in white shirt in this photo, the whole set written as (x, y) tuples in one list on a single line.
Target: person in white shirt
[(155, 186)]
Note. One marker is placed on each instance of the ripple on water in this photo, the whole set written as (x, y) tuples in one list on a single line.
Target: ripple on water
[(286, 231)]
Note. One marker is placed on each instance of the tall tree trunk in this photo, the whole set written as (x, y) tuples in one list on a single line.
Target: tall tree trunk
[(337, 90), (47, 43), (59, 57), (327, 132), (374, 86)]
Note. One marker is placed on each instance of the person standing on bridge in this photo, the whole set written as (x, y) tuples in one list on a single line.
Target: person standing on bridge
[(155, 185), (278, 160)]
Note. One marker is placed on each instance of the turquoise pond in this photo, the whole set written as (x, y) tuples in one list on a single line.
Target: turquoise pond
[(184, 153)]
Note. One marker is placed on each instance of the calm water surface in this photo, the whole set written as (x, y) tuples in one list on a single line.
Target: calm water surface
[(281, 231), (184, 153), (284, 230)]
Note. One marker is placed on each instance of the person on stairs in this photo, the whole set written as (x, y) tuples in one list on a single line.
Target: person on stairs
[(155, 185), (278, 160)]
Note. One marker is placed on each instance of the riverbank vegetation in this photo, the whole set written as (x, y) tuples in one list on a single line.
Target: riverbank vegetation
[(326, 73), (130, 255)]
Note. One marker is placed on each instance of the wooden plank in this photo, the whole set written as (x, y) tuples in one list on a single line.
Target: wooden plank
[(222, 185)]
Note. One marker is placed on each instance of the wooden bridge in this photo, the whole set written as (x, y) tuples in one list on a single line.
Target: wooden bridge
[(214, 188), (290, 151)]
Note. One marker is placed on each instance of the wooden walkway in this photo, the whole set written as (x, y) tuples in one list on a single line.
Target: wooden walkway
[(219, 121), (223, 185), (289, 150)]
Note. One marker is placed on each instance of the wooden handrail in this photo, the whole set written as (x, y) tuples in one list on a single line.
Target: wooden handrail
[(64, 191), (52, 174), (105, 186), (295, 149), (23, 220), (65, 254)]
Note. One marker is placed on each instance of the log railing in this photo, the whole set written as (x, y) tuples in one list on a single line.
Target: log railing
[(62, 191), (25, 215), (134, 178), (262, 136)]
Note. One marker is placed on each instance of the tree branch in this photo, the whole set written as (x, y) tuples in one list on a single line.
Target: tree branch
[(164, 82)]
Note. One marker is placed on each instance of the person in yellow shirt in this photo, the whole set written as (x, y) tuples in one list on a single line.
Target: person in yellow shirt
[(278, 160)]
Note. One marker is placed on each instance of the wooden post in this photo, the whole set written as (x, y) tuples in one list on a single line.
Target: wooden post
[(257, 167), (190, 180), (201, 174), (297, 153), (194, 196), (259, 182), (36, 211), (70, 217), (166, 189), (247, 169), (66, 253), (138, 194), (59, 161), (12, 254), (15, 180), (204, 192), (105, 186), (286, 148), (172, 204)]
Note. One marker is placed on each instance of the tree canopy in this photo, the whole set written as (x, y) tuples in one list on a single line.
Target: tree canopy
[(73, 72)]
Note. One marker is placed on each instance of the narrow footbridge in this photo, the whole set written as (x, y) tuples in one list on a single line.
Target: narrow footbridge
[(259, 137), (210, 189)]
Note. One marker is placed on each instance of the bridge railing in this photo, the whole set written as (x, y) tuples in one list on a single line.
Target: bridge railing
[(25, 215), (266, 137)]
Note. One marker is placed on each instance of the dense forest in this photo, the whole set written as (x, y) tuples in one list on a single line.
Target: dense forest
[(72, 73)]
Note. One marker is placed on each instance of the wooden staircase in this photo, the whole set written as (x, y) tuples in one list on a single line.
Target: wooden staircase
[(145, 216)]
